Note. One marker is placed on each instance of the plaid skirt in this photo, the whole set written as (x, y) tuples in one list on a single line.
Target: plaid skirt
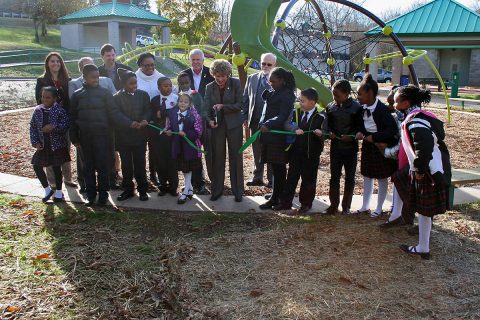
[(188, 165), (425, 196), (48, 157), (374, 164), (274, 153)]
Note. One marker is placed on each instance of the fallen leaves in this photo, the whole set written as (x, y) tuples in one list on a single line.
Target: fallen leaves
[(256, 293), (41, 257), (12, 309)]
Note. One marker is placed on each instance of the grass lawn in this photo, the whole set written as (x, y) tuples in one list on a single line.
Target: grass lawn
[(18, 38), (70, 262), (470, 96)]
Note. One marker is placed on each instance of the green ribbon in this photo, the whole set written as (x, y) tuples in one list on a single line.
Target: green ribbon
[(190, 143), (257, 134)]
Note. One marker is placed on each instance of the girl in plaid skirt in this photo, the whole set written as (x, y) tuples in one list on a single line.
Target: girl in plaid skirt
[(429, 177), (185, 120), (48, 129), (378, 125)]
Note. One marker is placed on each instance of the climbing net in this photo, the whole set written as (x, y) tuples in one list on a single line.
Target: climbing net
[(303, 37)]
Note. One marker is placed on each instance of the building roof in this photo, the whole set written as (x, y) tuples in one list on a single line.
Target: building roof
[(107, 11), (436, 18)]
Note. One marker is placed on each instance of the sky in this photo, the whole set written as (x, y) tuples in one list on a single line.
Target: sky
[(375, 6)]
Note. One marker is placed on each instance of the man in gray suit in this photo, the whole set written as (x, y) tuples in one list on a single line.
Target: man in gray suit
[(74, 85), (252, 109)]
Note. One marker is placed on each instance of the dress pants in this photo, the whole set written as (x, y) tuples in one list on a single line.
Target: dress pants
[(133, 165), (300, 165), (96, 156), (165, 165), (342, 158), (233, 137)]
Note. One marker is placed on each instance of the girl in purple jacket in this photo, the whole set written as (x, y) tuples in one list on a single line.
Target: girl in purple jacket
[(184, 119), (48, 129)]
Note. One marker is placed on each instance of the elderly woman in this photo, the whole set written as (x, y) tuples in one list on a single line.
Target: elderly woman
[(223, 100)]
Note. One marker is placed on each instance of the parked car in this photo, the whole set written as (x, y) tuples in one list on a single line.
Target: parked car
[(145, 41), (382, 76)]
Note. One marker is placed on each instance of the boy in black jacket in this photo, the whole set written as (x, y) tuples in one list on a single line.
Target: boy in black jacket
[(304, 154), (92, 109), (132, 143)]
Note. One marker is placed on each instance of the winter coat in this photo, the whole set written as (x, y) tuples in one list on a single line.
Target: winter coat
[(58, 118)]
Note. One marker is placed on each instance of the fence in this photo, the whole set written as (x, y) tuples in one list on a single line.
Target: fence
[(37, 56)]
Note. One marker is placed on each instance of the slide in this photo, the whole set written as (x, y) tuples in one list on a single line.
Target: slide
[(251, 22)]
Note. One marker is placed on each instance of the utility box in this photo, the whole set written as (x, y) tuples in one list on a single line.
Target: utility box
[(455, 77)]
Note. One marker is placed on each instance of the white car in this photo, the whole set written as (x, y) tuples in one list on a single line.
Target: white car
[(145, 41)]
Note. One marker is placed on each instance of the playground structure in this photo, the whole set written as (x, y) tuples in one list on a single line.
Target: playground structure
[(266, 33)]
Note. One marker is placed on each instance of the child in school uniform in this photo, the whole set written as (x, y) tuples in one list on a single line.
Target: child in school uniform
[(132, 142), (427, 175), (93, 113), (304, 154), (48, 129), (378, 126), (162, 144), (184, 85), (344, 118), (181, 119), (279, 104)]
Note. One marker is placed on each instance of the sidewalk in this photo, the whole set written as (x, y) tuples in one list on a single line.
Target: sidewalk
[(31, 187)]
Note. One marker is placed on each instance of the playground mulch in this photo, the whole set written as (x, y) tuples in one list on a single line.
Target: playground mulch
[(71, 262), (462, 140)]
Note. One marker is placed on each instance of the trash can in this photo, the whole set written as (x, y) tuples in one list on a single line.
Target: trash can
[(454, 93), (404, 80)]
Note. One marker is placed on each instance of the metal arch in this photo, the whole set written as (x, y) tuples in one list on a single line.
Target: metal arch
[(382, 24), (285, 14)]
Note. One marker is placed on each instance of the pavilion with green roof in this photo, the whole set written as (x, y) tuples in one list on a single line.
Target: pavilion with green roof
[(109, 21), (449, 31)]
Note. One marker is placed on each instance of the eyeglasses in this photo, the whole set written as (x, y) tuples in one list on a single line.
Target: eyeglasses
[(267, 64), (151, 65)]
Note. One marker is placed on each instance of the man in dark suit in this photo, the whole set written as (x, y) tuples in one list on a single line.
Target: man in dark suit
[(252, 109), (109, 67), (199, 78), (199, 74)]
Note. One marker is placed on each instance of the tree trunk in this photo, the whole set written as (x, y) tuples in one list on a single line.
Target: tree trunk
[(35, 25), (44, 29)]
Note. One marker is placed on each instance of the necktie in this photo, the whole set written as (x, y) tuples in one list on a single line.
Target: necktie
[(303, 123), (164, 103), (264, 81), (182, 118), (367, 111)]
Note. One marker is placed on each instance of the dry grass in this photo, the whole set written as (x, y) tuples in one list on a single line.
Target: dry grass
[(129, 264)]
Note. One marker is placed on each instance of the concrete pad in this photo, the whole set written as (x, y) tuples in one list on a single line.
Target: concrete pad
[(250, 204)]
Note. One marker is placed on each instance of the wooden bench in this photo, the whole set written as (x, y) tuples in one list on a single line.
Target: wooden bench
[(463, 100), (462, 177), (434, 81)]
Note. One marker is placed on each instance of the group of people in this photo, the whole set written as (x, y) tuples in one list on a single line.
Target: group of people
[(112, 109)]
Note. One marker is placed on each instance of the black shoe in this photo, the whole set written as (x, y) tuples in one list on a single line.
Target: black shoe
[(48, 196), (394, 223), (202, 191), (268, 196), (269, 185), (102, 201), (143, 196), (281, 206), (90, 202), (174, 193), (238, 198), (331, 211), (413, 250), (125, 195), (215, 198), (182, 199), (57, 200), (161, 193), (268, 205), (304, 209), (255, 183)]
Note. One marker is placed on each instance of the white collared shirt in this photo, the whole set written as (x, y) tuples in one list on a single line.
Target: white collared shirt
[(197, 78), (368, 122), (308, 114), (171, 101), (180, 125)]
